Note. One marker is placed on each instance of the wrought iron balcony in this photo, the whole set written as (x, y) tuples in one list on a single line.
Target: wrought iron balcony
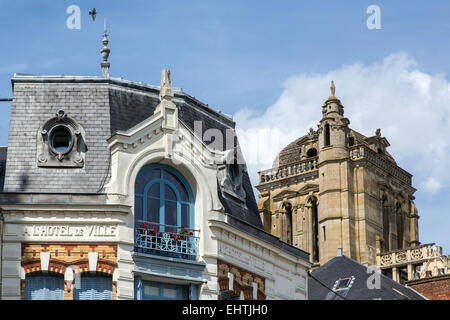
[(166, 240)]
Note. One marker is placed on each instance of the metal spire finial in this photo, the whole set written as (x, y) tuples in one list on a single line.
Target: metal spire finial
[(105, 53)]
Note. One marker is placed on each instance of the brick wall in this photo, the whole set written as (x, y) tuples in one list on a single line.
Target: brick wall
[(435, 288), (243, 280), (64, 254)]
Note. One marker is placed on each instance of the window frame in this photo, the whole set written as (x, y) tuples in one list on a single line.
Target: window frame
[(162, 183), (160, 295), (86, 292), (350, 280), (53, 288)]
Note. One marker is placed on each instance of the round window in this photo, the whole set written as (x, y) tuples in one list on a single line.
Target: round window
[(61, 139)]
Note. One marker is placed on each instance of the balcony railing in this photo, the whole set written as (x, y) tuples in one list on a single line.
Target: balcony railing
[(288, 170), (166, 240), (410, 255)]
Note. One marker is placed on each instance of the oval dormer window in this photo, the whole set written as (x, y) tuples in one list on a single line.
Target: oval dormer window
[(61, 139)]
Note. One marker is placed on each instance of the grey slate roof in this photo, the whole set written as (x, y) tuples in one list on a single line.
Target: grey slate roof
[(343, 267), (102, 106)]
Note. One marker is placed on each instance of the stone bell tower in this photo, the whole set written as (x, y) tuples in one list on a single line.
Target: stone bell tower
[(335, 205), (335, 188)]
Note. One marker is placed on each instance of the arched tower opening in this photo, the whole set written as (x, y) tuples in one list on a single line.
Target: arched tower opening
[(315, 254), (326, 142)]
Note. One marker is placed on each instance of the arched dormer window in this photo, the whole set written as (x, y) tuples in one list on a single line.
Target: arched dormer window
[(163, 198)]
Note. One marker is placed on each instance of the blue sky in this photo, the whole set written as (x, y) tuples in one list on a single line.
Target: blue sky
[(233, 54)]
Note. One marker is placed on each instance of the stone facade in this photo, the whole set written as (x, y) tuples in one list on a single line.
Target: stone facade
[(336, 188), (65, 220)]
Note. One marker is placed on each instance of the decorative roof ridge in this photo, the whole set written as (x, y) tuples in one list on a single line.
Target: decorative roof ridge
[(119, 81)]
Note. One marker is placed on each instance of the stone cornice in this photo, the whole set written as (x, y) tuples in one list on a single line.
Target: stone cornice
[(290, 173), (259, 244), (359, 152)]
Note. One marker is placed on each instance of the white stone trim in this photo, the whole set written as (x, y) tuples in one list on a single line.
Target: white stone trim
[(93, 259), (45, 260)]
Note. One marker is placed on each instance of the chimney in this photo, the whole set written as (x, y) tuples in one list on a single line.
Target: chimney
[(339, 252)]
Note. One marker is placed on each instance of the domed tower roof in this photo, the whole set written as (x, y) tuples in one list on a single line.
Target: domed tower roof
[(295, 151)]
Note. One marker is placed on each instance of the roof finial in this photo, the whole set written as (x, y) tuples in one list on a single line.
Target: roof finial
[(332, 88), (105, 53), (166, 91), (378, 132)]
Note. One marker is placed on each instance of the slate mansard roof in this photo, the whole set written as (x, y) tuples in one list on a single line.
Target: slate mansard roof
[(102, 106), (324, 278)]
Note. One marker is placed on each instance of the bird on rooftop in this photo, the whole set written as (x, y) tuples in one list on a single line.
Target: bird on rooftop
[(93, 13)]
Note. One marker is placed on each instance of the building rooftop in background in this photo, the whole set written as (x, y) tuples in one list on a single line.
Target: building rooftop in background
[(342, 278)]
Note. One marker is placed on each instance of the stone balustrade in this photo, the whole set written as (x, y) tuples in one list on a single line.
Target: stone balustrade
[(356, 153), (410, 255), (359, 152), (289, 170)]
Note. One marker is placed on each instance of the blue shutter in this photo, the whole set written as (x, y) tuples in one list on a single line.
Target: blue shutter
[(94, 288), (44, 287)]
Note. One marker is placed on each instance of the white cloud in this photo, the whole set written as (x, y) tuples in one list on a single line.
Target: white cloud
[(411, 107)]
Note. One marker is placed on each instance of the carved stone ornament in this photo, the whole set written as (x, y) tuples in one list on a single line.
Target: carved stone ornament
[(386, 260), (60, 143), (230, 175)]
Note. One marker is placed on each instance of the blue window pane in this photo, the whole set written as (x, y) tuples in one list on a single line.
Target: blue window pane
[(164, 291), (144, 177), (151, 289), (152, 207), (153, 210), (169, 194), (183, 192), (139, 185), (178, 184), (154, 190), (170, 177), (138, 207), (93, 287), (170, 213), (184, 291), (170, 291), (185, 215), (44, 287)]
